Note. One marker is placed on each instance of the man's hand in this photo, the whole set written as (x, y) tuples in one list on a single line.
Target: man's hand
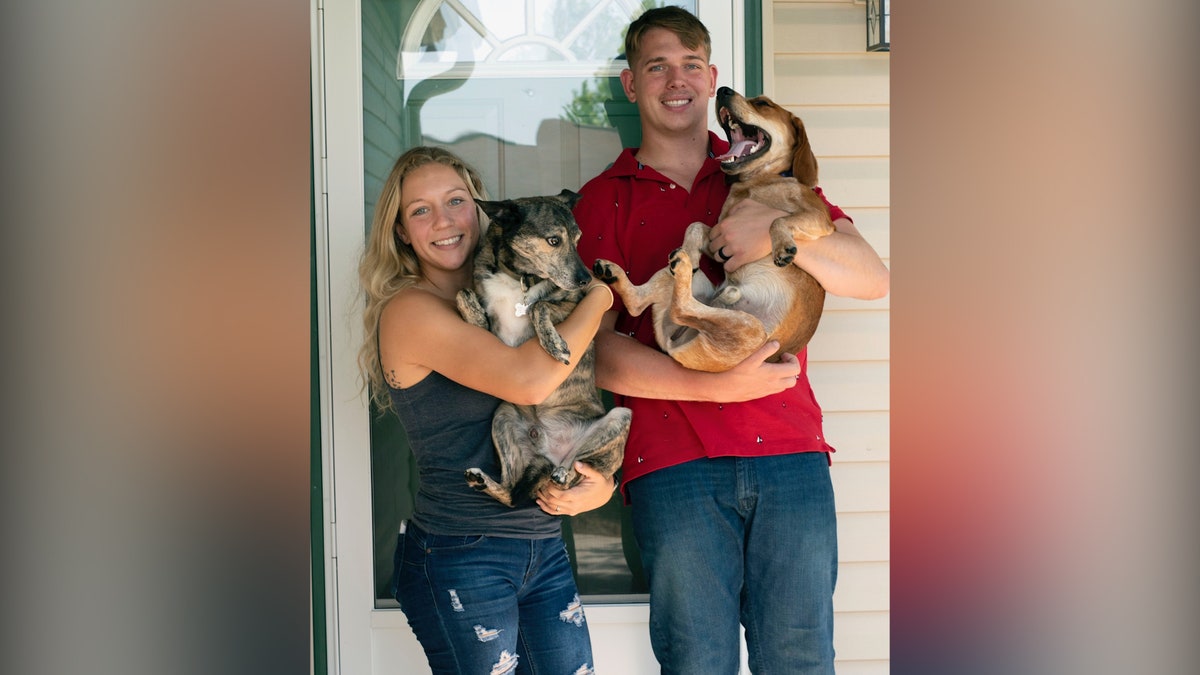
[(744, 235), (755, 378)]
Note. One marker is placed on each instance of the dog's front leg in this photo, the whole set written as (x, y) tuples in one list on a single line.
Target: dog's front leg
[(533, 294), (636, 298), (471, 309), (804, 226), (807, 219), (695, 241), (548, 335)]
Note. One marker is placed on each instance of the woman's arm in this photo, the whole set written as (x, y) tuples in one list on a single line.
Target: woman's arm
[(420, 332)]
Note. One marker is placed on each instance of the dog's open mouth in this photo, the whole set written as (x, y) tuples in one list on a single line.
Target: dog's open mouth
[(745, 141)]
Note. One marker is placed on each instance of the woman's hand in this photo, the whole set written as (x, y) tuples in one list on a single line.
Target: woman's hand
[(592, 492)]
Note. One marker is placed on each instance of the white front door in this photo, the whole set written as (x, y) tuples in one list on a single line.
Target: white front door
[(521, 90)]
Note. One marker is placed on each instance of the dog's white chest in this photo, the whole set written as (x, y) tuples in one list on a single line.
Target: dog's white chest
[(506, 309)]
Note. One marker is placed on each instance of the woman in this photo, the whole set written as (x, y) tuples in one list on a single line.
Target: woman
[(482, 585)]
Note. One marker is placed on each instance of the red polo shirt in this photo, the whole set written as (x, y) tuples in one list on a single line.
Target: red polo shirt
[(634, 216)]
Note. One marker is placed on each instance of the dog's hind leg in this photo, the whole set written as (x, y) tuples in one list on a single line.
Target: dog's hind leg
[(482, 482), (601, 446), (508, 438), (604, 448), (726, 336)]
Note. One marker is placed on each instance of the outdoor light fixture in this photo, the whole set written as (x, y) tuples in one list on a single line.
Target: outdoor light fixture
[(879, 35)]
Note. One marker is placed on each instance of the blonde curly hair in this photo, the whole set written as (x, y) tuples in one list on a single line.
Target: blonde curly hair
[(389, 265)]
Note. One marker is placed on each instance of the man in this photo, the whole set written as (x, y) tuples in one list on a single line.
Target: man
[(727, 473)]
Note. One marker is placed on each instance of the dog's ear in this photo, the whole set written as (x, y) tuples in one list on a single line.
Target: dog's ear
[(504, 211), (804, 162), (571, 198)]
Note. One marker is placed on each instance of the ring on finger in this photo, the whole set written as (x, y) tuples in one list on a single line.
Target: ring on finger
[(722, 255)]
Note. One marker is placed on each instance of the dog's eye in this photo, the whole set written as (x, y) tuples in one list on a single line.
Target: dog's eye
[(554, 241)]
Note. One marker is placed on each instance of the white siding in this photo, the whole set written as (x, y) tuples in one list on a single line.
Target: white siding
[(816, 65)]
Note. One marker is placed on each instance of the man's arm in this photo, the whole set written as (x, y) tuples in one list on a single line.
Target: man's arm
[(626, 366), (843, 262)]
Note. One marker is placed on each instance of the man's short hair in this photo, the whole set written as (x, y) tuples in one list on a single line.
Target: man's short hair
[(690, 31)]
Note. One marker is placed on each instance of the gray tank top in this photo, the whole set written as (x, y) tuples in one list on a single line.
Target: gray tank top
[(449, 428)]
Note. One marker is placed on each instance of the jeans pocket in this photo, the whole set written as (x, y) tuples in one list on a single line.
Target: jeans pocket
[(437, 543)]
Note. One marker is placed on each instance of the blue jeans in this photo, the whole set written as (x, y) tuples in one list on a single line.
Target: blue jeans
[(749, 540), (481, 605)]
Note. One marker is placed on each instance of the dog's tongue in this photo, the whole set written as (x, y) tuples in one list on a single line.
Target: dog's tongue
[(736, 150)]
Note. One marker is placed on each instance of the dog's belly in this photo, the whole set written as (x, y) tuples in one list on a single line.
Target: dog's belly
[(562, 438), (762, 292), (558, 432), (503, 294)]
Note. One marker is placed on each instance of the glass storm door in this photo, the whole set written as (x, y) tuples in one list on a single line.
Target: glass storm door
[(527, 91)]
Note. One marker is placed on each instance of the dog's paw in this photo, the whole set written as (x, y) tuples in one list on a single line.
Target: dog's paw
[(679, 257), (555, 345), (560, 475), (604, 271), (784, 256), (560, 353), (475, 479)]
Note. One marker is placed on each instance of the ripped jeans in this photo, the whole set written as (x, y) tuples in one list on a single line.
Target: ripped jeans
[(483, 605)]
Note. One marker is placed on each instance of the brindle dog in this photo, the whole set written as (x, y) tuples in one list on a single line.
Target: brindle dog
[(528, 277)]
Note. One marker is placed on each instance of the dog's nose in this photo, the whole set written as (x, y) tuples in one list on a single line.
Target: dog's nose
[(725, 91)]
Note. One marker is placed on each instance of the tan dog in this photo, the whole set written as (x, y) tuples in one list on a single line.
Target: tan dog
[(768, 299)]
